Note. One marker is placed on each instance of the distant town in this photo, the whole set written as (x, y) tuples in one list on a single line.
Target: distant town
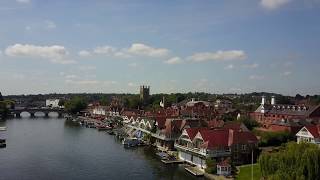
[(242, 136)]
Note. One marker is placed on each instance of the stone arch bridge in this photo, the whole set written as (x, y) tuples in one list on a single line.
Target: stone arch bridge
[(32, 111)]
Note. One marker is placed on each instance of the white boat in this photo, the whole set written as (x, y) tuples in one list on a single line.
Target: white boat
[(3, 128)]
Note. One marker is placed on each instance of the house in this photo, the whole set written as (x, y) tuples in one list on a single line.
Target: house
[(309, 133), (224, 168), (266, 114), (223, 104), (195, 145), (100, 110), (53, 103)]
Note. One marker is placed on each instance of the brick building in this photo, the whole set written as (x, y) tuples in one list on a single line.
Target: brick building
[(268, 114)]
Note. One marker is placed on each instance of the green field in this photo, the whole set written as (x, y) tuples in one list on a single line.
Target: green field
[(245, 172)]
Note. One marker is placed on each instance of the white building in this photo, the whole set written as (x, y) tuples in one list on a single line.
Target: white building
[(310, 133), (54, 103), (100, 110)]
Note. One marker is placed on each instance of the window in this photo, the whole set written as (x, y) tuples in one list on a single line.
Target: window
[(244, 147)]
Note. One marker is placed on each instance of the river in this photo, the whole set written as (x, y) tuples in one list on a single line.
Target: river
[(52, 148)]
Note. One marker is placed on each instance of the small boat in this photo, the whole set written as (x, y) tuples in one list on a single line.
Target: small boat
[(162, 155), (130, 142), (3, 128), (103, 128)]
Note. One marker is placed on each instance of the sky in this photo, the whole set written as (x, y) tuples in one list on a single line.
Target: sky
[(114, 46)]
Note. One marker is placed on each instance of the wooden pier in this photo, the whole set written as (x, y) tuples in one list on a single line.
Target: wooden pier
[(194, 171), (165, 161)]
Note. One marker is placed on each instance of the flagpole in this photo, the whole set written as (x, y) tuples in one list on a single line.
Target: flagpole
[(252, 164)]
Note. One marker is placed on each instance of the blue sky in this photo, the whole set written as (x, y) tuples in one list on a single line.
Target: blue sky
[(173, 46)]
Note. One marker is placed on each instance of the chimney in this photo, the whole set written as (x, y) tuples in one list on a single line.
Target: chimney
[(273, 100), (263, 100), (230, 137)]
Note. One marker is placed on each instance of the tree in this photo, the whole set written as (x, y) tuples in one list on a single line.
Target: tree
[(76, 105), (61, 102), (211, 166), (248, 122), (294, 162), (1, 98), (104, 101)]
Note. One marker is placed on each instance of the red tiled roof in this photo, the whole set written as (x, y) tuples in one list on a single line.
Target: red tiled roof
[(161, 121), (224, 163), (314, 130), (244, 137), (215, 138), (226, 137), (233, 125), (192, 132)]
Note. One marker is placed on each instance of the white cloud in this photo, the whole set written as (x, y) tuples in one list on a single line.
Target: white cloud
[(71, 76), (131, 84), (256, 77), (82, 82), (273, 4), (62, 73), (218, 56), (87, 68), (233, 89), (84, 53), (202, 82), (122, 54), (108, 50), (23, 1), (251, 66), (18, 76), (55, 54), (145, 50), (50, 24), (174, 60), (286, 73), (110, 83), (229, 67), (28, 28)]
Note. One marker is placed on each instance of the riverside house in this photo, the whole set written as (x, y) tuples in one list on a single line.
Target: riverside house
[(195, 145), (309, 133)]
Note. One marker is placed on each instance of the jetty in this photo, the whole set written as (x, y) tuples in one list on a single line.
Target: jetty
[(194, 171)]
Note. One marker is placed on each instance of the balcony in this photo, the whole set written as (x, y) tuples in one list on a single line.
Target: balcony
[(190, 149), (202, 152)]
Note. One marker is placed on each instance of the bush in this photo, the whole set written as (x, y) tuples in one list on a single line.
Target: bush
[(211, 166)]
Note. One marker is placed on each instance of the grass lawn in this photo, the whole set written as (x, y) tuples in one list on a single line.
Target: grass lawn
[(245, 172)]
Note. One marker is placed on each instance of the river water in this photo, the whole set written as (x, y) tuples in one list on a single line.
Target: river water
[(52, 148)]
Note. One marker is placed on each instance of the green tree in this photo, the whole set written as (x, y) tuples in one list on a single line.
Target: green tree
[(211, 166), (76, 105), (61, 102), (294, 162), (248, 122)]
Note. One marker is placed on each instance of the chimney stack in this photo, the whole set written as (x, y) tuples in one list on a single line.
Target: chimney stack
[(273, 100), (263, 100)]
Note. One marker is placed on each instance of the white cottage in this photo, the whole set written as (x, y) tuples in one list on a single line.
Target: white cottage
[(310, 133)]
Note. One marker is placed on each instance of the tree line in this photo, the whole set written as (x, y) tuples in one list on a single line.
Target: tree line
[(293, 162)]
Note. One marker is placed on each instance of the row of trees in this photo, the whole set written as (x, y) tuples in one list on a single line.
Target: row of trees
[(76, 104), (273, 138), (293, 162)]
